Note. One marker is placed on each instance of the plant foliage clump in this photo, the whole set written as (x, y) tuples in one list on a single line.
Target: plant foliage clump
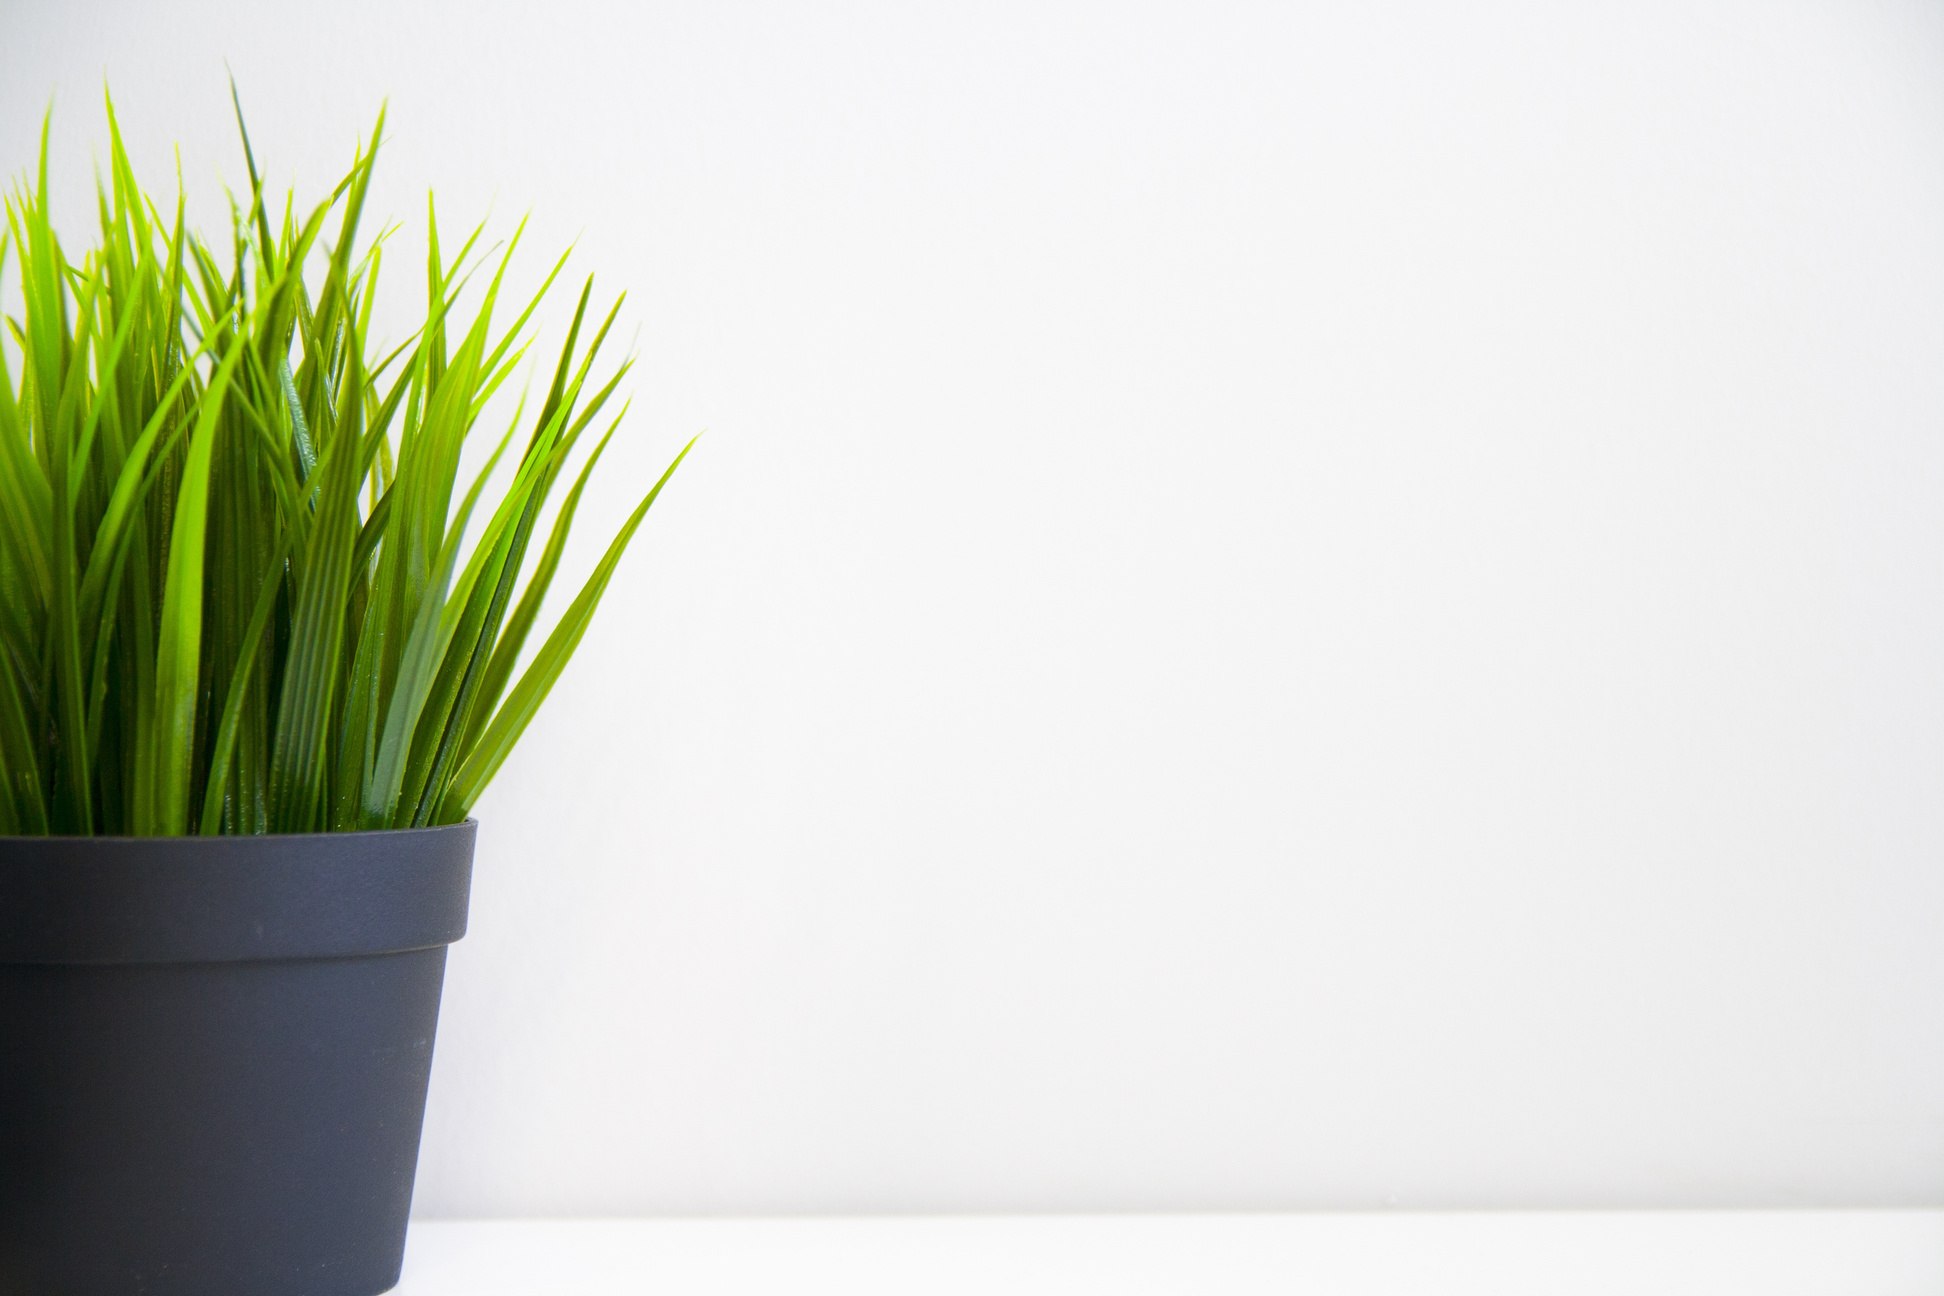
[(231, 595)]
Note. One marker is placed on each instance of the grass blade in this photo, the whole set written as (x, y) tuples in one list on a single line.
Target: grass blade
[(497, 742)]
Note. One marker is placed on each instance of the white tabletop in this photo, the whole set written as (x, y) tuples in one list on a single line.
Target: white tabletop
[(1594, 1253)]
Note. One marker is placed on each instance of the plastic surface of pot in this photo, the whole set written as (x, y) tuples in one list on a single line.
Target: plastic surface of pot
[(214, 1054)]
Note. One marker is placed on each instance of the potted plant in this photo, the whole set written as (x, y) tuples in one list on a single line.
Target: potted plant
[(251, 681)]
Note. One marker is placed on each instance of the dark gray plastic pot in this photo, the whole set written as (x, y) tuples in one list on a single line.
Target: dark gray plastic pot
[(213, 1057)]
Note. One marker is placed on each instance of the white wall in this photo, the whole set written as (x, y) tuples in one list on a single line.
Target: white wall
[(1284, 605)]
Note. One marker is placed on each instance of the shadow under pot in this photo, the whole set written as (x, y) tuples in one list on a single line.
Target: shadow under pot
[(214, 1054)]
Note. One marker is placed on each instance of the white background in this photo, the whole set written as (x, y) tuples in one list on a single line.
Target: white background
[(1283, 605)]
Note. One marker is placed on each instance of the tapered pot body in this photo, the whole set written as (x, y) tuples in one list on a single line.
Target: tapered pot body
[(214, 1055)]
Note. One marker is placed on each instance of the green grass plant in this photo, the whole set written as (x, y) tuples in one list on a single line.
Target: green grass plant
[(231, 591)]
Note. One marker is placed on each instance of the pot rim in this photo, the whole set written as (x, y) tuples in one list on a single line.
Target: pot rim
[(233, 898)]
